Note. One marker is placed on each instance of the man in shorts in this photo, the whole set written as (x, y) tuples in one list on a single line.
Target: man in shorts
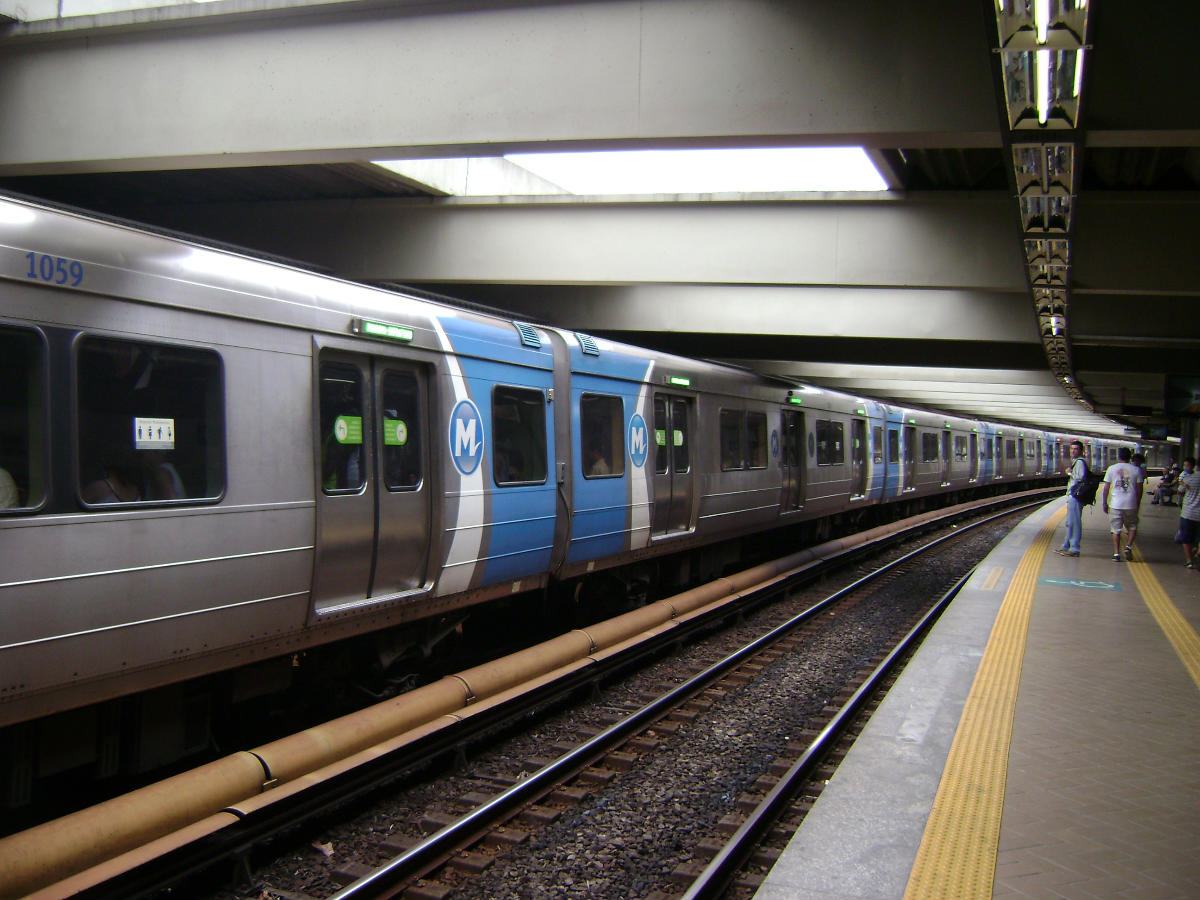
[(1122, 489), (1189, 513)]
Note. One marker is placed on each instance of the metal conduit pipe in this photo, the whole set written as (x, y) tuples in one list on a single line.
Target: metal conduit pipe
[(58, 850)]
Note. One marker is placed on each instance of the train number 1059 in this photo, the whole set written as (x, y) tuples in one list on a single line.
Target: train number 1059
[(54, 269)]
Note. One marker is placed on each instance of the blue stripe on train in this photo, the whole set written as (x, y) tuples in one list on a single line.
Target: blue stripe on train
[(602, 506), (519, 520)]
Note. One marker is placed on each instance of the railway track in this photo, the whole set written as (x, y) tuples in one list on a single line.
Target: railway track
[(454, 859), (519, 807)]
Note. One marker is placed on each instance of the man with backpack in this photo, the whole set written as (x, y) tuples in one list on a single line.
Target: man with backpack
[(1123, 493), (1076, 471)]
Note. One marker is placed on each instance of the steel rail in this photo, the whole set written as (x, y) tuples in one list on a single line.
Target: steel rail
[(395, 875), (721, 870)]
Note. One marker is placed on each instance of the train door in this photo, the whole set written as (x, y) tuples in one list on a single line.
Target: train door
[(791, 460), (673, 480), (1021, 456), (893, 485), (858, 458), (402, 538), (373, 511), (946, 457), (910, 457), (974, 457)]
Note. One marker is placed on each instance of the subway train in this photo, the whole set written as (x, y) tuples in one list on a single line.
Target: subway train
[(215, 463)]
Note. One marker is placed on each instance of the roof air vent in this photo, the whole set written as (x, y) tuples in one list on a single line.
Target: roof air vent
[(529, 335), (587, 343)]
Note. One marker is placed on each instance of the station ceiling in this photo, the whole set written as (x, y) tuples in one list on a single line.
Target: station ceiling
[(1040, 273)]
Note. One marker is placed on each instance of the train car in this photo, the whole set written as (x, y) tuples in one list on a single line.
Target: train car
[(222, 463)]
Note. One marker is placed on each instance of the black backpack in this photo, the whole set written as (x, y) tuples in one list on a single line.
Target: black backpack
[(1085, 490)]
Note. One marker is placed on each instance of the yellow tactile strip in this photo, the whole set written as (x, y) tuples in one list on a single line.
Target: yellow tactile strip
[(957, 856), (1177, 629)]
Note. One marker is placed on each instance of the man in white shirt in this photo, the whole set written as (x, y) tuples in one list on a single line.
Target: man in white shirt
[(1122, 494)]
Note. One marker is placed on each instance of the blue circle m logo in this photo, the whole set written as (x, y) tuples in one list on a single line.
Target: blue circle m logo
[(466, 437), (639, 440)]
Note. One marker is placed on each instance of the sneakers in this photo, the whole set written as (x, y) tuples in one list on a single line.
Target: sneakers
[(1188, 565), (1116, 557), (1063, 551), (1129, 553)]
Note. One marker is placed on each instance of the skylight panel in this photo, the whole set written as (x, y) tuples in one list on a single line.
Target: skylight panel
[(650, 172), (750, 171)]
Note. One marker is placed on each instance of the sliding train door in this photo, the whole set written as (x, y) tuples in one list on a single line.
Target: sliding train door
[(791, 460), (372, 499), (673, 479)]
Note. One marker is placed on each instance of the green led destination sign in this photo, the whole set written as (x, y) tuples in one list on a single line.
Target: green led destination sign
[(381, 330), (679, 381)]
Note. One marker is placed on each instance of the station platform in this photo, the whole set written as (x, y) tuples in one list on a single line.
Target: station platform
[(1043, 742)]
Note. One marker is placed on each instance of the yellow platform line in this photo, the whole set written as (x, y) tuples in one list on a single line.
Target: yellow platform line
[(1178, 630), (957, 856)]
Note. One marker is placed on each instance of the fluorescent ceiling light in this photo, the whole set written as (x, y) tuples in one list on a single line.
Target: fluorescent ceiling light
[(650, 172)]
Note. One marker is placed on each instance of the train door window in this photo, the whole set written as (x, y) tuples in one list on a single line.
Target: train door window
[(973, 456), (831, 448), (602, 435), (22, 412), (756, 440), (893, 445), (987, 446), (519, 429), (1010, 450), (929, 447), (343, 468), (400, 426), (151, 422), (731, 440), (960, 448), (680, 443), (877, 445), (662, 454)]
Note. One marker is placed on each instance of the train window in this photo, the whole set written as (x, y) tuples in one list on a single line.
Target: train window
[(680, 446), (831, 449), (519, 432), (929, 447), (1010, 449), (793, 439), (343, 468), (756, 440), (22, 411), (987, 446), (151, 422), (877, 445), (661, 453), (893, 445), (960, 447), (400, 425), (602, 435), (731, 440)]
